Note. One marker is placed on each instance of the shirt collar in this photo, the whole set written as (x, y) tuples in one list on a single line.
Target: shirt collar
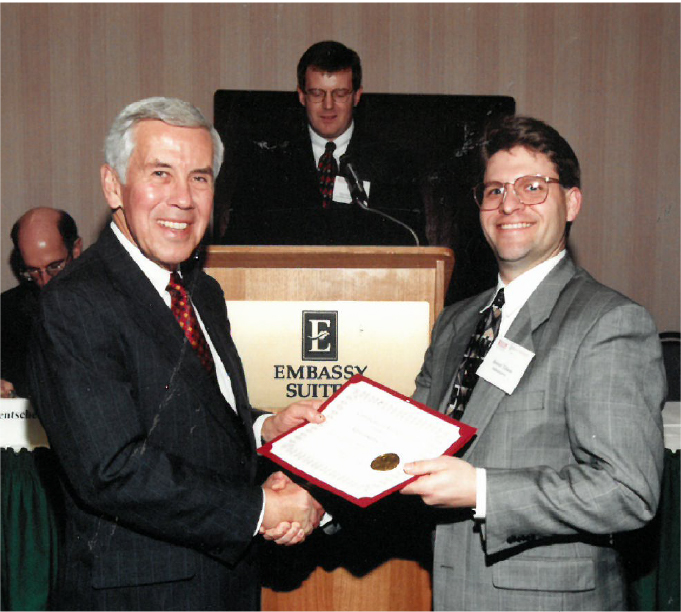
[(519, 290), (157, 275), (319, 142)]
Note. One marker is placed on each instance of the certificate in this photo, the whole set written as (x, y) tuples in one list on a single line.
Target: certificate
[(369, 433)]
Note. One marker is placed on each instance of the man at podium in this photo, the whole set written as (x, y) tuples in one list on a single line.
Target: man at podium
[(326, 180)]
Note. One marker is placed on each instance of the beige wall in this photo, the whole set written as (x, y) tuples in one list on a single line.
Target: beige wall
[(606, 75)]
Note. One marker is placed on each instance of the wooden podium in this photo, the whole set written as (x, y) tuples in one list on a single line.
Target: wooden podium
[(354, 274), (333, 273)]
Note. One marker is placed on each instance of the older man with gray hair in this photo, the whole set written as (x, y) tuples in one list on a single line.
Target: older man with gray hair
[(143, 397)]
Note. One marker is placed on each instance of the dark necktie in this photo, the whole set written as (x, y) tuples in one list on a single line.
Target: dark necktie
[(481, 341), (327, 170), (181, 305)]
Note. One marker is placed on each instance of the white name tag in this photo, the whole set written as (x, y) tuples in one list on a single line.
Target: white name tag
[(341, 191), (505, 364)]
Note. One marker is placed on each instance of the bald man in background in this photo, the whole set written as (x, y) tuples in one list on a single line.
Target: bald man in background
[(45, 241)]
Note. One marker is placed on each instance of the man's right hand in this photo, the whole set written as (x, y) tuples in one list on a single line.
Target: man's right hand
[(291, 513)]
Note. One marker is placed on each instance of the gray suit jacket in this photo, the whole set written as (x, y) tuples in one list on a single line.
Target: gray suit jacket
[(159, 472), (573, 455)]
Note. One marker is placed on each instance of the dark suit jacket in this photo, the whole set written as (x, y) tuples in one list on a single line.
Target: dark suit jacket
[(572, 455), (19, 308), (161, 504), (275, 196)]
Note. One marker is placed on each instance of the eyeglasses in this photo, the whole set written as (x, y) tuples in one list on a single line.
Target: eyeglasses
[(34, 274), (530, 190), (338, 95)]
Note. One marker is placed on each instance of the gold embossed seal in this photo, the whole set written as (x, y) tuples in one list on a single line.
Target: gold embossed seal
[(386, 462)]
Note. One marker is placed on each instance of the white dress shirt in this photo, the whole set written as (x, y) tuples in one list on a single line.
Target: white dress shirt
[(516, 293), (319, 144)]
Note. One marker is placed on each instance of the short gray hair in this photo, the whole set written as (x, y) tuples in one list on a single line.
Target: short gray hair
[(120, 141)]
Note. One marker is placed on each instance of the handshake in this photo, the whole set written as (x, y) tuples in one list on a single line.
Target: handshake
[(291, 513)]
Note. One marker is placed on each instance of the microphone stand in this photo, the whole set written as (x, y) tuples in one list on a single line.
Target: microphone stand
[(359, 196)]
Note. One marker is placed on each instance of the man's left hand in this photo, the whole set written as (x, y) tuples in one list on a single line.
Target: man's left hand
[(287, 419), (444, 482)]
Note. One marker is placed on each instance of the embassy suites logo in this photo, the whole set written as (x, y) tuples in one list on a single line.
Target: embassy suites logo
[(319, 343), (320, 335)]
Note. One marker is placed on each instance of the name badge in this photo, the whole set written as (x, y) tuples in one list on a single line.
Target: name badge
[(505, 364), (341, 191)]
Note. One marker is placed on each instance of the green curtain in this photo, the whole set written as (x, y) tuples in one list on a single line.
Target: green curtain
[(652, 554), (30, 528)]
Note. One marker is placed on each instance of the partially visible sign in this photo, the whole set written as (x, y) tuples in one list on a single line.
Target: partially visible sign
[(19, 425), (307, 350)]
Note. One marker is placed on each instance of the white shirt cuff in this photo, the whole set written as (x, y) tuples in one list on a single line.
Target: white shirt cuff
[(257, 428), (480, 510), (257, 432), (262, 514)]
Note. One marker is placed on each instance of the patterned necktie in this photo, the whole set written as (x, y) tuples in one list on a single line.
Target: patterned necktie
[(481, 340), (181, 305), (327, 170)]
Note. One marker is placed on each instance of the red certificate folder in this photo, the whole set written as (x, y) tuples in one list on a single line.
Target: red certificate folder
[(446, 436)]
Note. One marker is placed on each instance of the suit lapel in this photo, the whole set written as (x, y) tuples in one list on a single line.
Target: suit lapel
[(151, 313), (486, 397), (217, 327), (149, 309), (306, 164), (541, 303), (463, 328)]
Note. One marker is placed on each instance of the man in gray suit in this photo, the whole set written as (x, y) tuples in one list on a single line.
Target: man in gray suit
[(567, 403)]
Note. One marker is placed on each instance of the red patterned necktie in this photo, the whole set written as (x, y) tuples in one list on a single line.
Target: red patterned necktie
[(466, 376), (327, 170), (181, 305)]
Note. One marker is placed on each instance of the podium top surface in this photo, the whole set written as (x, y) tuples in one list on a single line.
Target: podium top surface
[(329, 257)]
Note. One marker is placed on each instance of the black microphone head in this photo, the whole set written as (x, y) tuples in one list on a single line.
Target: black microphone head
[(343, 162)]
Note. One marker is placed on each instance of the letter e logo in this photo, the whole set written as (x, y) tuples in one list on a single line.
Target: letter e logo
[(320, 335)]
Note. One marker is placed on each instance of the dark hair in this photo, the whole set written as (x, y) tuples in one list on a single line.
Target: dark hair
[(330, 56), (67, 229), (512, 131)]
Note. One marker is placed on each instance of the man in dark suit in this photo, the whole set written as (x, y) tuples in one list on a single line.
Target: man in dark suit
[(45, 240), (298, 189), (142, 394), (567, 403)]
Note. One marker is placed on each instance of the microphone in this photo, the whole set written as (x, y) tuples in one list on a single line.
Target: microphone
[(347, 171), (359, 196)]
